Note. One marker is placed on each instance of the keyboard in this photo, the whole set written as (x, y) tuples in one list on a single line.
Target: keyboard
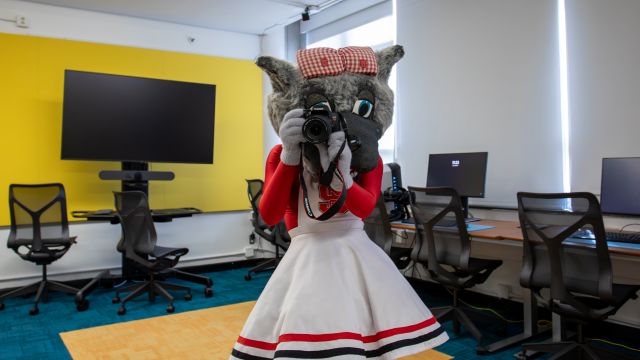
[(442, 223), (627, 237)]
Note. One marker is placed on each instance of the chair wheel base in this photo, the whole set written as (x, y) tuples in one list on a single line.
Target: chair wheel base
[(34, 311), (208, 292), (1, 306), (247, 277), (115, 300), (171, 309), (122, 311), (83, 305), (187, 297)]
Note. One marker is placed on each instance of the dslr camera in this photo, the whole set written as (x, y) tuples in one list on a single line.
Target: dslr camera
[(319, 124)]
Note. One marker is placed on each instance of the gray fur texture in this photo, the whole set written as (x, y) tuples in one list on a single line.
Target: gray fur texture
[(290, 88), (292, 91)]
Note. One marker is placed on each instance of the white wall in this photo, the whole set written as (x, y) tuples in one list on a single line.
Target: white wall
[(211, 238), (65, 23)]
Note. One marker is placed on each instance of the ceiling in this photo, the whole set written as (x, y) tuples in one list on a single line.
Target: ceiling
[(245, 16)]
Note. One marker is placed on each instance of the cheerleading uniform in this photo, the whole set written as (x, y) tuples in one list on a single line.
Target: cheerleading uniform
[(335, 293)]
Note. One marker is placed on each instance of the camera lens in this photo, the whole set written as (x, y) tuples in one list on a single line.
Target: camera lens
[(316, 130)]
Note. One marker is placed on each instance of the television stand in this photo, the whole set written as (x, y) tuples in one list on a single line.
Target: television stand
[(136, 176)]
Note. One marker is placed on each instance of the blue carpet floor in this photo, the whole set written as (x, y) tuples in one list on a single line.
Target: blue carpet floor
[(36, 337)]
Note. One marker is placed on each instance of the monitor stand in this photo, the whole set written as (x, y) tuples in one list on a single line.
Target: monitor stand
[(136, 176), (465, 210)]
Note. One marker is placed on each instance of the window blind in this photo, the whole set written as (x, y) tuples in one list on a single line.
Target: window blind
[(604, 85), (481, 76)]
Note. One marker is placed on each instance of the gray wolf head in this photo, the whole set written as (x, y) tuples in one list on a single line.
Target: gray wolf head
[(343, 93)]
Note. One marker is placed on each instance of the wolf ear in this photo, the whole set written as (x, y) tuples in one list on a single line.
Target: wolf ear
[(388, 57), (282, 73)]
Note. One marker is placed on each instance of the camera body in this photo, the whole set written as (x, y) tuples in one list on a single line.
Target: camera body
[(319, 124)]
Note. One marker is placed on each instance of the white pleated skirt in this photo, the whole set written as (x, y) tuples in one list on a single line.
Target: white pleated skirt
[(337, 295)]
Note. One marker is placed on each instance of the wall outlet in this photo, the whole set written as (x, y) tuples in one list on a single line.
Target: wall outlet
[(22, 21), (249, 252)]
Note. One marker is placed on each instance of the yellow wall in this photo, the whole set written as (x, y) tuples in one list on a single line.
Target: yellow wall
[(31, 90)]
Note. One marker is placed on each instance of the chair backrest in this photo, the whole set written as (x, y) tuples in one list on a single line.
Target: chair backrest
[(442, 237), (378, 227), (254, 191), (138, 231), (551, 259), (38, 213), (277, 234)]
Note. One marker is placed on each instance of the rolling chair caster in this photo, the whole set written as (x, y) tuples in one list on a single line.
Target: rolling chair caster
[(187, 297), (247, 277), (34, 311), (1, 306), (122, 310), (82, 305), (171, 309), (115, 300), (208, 292)]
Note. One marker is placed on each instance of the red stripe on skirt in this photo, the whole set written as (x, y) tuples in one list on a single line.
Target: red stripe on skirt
[(337, 336)]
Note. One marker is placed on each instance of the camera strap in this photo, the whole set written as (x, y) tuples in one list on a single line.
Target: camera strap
[(327, 176), (325, 180)]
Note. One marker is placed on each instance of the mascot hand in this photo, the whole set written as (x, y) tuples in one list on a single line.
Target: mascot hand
[(291, 136), (328, 152)]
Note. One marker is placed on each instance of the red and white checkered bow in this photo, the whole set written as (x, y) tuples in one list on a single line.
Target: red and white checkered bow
[(325, 61)]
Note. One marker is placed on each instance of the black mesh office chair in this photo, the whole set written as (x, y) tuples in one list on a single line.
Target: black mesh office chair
[(378, 228), (40, 233), (138, 243), (579, 277), (276, 235), (445, 250)]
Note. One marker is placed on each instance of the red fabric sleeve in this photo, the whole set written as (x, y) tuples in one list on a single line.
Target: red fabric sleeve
[(280, 182), (363, 194)]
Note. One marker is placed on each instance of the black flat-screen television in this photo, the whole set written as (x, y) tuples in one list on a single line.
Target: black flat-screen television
[(620, 186), (135, 119), (465, 172)]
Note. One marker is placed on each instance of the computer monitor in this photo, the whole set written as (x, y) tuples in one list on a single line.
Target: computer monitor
[(136, 120), (620, 186), (465, 172)]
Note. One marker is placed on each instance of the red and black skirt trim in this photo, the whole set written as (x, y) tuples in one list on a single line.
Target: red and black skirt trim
[(339, 344)]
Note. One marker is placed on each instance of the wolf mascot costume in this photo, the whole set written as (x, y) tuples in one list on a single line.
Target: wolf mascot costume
[(335, 294)]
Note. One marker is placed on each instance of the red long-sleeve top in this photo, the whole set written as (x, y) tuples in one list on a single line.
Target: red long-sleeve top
[(281, 185)]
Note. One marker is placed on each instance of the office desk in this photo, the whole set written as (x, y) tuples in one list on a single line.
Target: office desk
[(158, 215), (510, 231)]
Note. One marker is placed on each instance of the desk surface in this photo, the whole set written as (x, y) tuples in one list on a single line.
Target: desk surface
[(159, 215), (510, 230)]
